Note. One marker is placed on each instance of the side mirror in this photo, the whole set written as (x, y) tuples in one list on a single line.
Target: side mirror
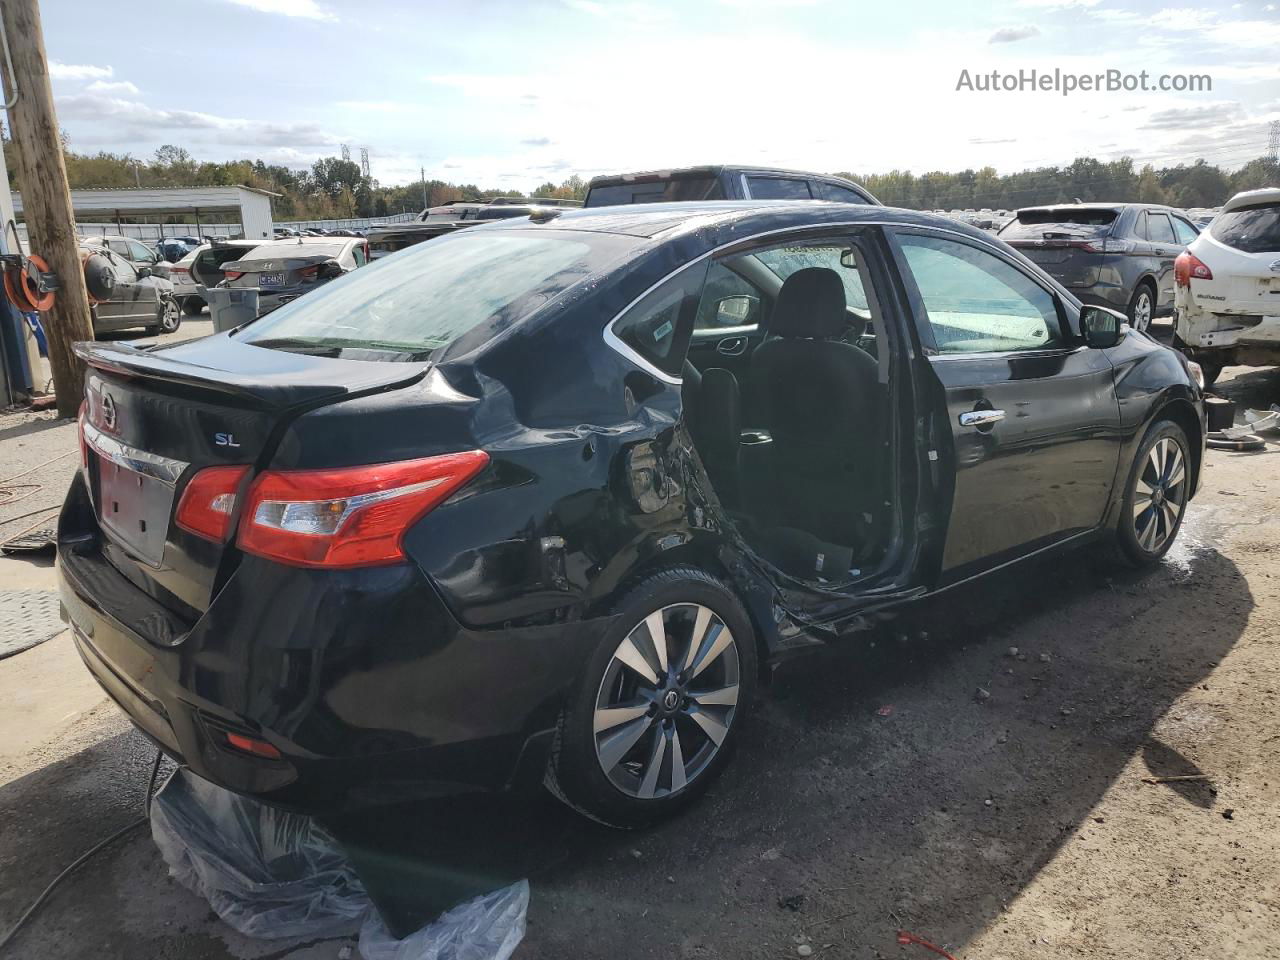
[(736, 311), (1101, 327), (144, 272)]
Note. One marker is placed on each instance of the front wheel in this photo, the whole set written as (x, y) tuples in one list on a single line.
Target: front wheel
[(657, 711), (1156, 496)]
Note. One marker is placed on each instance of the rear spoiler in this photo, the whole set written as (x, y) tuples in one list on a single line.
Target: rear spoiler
[(261, 378)]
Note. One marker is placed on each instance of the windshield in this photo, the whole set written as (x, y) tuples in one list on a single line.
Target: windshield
[(784, 261), (1073, 223), (1250, 229), (429, 295)]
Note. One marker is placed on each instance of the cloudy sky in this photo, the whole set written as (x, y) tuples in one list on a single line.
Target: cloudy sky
[(517, 92)]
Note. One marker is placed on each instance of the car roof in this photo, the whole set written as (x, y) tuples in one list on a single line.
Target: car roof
[(1101, 205), (720, 221), (710, 169), (1251, 197)]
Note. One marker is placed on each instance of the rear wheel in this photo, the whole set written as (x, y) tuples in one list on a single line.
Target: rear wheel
[(1142, 307), (1156, 496), (168, 317), (192, 306), (657, 711)]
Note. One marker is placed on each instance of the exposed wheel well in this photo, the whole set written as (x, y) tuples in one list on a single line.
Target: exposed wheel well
[(704, 556), (1184, 415)]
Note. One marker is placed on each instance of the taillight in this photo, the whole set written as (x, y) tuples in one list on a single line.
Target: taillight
[(309, 273), (232, 274), (81, 418), (177, 269), (350, 516), (259, 748), (1188, 267), (208, 503)]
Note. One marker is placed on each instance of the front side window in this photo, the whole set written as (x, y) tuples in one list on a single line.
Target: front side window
[(837, 193), (778, 188), (1185, 231), (977, 303)]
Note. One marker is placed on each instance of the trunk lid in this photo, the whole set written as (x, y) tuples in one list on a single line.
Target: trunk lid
[(1068, 243), (154, 418)]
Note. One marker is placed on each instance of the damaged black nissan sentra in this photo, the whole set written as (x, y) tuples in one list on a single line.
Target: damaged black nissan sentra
[(544, 500)]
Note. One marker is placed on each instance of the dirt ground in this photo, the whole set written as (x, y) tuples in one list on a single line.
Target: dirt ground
[(924, 777)]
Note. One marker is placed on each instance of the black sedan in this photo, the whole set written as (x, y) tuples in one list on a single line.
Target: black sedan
[(542, 500)]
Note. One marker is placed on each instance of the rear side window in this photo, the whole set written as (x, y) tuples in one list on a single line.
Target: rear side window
[(1067, 223), (434, 293), (1250, 229), (1159, 230), (656, 191), (778, 188), (659, 326)]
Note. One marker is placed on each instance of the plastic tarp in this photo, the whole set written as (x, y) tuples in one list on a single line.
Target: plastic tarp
[(277, 875)]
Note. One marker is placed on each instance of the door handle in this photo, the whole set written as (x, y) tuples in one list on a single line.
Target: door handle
[(732, 346), (981, 418)]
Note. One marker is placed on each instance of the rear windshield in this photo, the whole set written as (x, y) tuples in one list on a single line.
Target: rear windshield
[(429, 295), (1075, 223), (656, 191), (290, 249), (1251, 229)]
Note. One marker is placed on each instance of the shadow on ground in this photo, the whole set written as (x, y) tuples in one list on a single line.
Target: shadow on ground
[(932, 817)]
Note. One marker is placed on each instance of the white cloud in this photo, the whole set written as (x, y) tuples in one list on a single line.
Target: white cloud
[(79, 71), (305, 9), (586, 6), (1058, 4), (113, 86), (1014, 34)]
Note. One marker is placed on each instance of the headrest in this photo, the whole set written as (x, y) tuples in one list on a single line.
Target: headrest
[(810, 304)]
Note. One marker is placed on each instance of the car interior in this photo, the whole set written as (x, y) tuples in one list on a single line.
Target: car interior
[(787, 404)]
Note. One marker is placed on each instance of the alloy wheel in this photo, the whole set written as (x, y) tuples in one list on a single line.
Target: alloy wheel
[(1160, 493), (667, 701), (1142, 310), (169, 316)]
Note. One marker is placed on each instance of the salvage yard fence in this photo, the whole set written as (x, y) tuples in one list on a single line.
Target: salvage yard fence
[(152, 232)]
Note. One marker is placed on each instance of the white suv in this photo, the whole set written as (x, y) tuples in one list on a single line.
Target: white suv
[(1227, 286)]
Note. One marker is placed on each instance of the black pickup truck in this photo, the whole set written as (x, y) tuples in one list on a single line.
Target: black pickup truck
[(722, 183), (451, 216)]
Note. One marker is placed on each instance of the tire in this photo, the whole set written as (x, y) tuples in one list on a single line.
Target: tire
[(169, 317), (625, 773), (1212, 369), (1146, 536), (1142, 307), (192, 306)]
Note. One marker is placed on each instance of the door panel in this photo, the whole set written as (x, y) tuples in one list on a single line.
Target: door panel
[(1040, 472), (1032, 414), (1164, 250)]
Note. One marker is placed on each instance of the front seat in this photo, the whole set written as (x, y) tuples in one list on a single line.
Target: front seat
[(818, 399)]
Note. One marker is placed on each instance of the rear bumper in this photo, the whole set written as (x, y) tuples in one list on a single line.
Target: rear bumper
[(368, 688), (1235, 326)]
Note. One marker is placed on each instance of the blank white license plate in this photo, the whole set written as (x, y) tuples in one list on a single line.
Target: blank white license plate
[(271, 280)]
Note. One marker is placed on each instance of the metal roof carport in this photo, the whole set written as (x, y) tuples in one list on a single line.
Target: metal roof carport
[(253, 205)]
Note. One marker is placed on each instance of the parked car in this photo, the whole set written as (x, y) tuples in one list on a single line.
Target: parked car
[(499, 509), (138, 298), (134, 251), (202, 267), (173, 249), (1116, 255), (455, 215), (721, 183), (284, 270), (1228, 286)]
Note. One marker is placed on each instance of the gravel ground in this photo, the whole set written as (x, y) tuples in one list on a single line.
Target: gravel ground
[(1014, 824)]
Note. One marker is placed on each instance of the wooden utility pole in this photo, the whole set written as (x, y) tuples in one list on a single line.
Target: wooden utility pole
[(46, 198)]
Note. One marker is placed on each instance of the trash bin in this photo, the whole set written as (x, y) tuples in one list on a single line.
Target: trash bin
[(230, 307)]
